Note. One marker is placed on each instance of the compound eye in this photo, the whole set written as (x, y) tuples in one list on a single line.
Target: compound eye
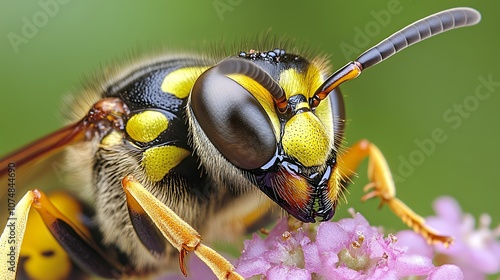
[(233, 120)]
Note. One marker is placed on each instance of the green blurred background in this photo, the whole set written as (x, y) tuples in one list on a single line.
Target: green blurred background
[(393, 104)]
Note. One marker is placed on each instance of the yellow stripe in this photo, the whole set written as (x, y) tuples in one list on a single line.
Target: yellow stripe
[(146, 126), (158, 161), (112, 139), (305, 83), (302, 105), (181, 81)]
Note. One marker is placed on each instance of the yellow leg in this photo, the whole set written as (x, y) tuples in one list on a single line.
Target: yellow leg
[(179, 233), (44, 257), (382, 185), (72, 237)]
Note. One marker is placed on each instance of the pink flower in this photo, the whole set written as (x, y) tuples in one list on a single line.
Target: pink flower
[(353, 249), (475, 250), (347, 249)]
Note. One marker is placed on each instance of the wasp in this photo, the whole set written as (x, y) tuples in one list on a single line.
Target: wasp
[(174, 148)]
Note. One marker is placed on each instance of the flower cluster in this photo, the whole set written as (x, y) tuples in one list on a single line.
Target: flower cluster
[(347, 249), (475, 250), (353, 249)]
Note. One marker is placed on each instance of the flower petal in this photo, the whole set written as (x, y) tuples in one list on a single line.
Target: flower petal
[(447, 271), (282, 272), (448, 209), (414, 244), (311, 257), (257, 266), (331, 237), (485, 261), (407, 265)]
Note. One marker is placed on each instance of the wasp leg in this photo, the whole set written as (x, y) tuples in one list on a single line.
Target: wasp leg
[(145, 228), (77, 244), (42, 257), (179, 233), (382, 185)]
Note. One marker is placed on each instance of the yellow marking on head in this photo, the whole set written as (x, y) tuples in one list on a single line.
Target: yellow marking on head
[(304, 83), (181, 81), (262, 95), (146, 126), (325, 115), (324, 111), (305, 139), (38, 240), (112, 139), (307, 83), (158, 161), (302, 105)]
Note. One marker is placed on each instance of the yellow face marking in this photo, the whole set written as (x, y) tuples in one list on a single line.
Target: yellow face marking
[(323, 111), (181, 81), (158, 161), (112, 139), (262, 95), (306, 84), (146, 126), (324, 114), (302, 105), (306, 140)]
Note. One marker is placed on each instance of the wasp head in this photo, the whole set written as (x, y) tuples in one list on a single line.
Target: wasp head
[(252, 117)]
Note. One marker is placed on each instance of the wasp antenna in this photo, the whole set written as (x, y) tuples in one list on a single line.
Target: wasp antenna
[(101, 118), (44, 146), (417, 32), (411, 34), (247, 68)]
